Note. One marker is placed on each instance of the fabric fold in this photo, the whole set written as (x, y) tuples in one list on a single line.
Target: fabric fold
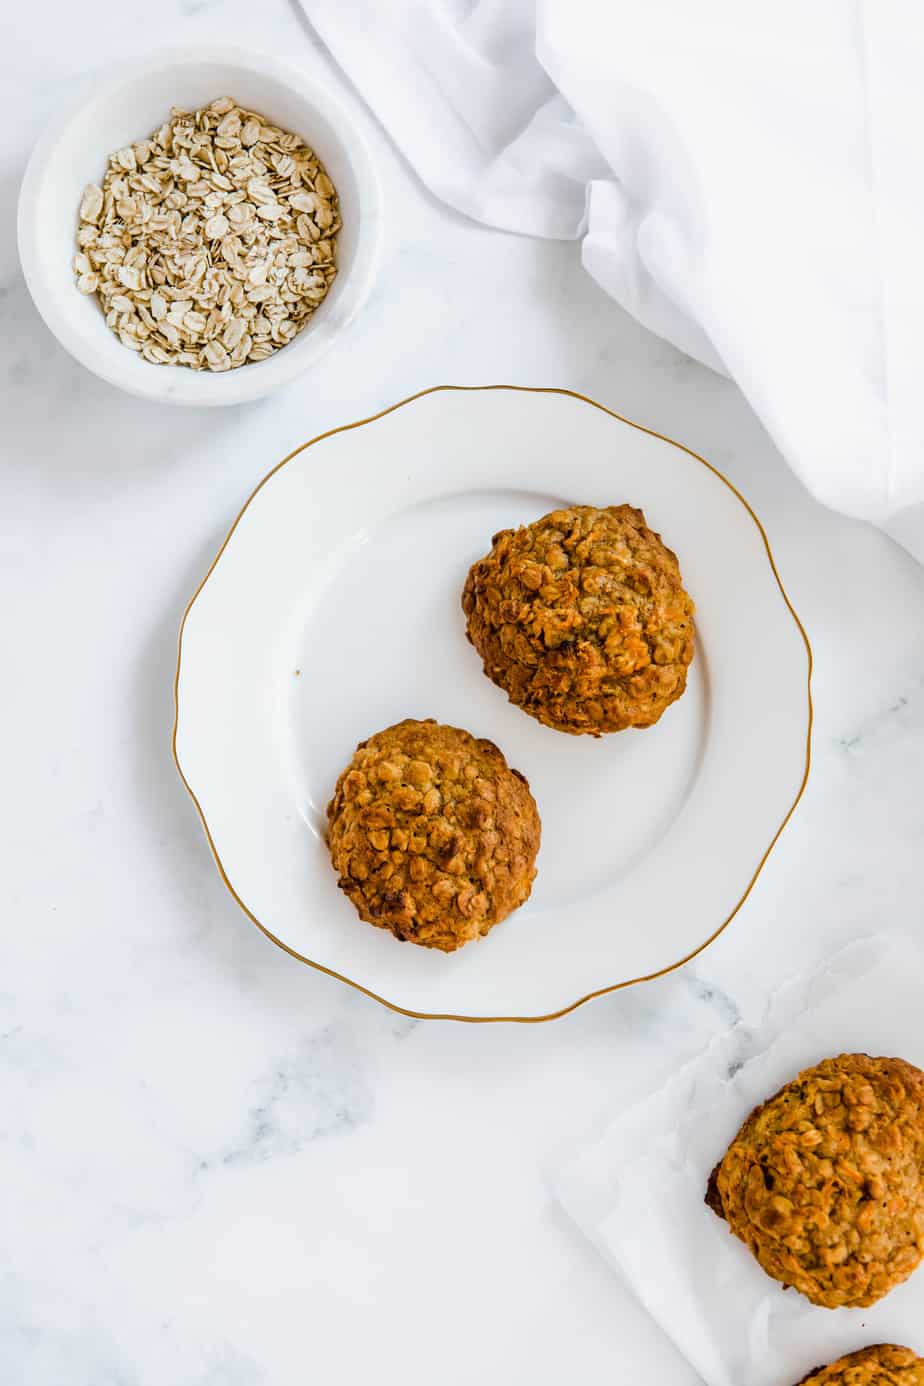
[(752, 184)]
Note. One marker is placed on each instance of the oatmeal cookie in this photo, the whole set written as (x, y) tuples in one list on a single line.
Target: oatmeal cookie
[(581, 618), (825, 1181), (434, 836), (882, 1365)]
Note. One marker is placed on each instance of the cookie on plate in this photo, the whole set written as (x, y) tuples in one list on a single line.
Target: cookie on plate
[(825, 1181), (882, 1365), (434, 836), (582, 619)]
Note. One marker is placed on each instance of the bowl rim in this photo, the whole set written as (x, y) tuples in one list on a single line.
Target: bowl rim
[(203, 388)]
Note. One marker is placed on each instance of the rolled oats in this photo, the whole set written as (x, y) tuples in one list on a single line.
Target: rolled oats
[(883, 1364), (433, 835), (582, 619), (825, 1181), (211, 243)]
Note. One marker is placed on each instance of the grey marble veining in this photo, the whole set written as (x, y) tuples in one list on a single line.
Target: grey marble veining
[(217, 1167)]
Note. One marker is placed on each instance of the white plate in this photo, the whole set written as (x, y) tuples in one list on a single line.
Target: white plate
[(332, 610)]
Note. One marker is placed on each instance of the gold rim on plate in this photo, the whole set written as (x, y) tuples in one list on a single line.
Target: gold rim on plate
[(601, 991)]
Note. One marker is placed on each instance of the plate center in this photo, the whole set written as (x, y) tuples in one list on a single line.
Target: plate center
[(383, 638)]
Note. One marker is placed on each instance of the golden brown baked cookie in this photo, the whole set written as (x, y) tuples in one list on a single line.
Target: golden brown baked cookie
[(825, 1181), (433, 834), (582, 619), (882, 1365)]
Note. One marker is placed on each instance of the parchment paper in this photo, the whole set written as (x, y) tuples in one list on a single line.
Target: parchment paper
[(638, 1193)]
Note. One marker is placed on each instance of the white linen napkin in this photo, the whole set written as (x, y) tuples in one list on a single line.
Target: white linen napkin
[(748, 181), (638, 1193)]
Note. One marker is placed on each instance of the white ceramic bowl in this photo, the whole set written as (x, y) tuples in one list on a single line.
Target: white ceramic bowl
[(73, 152)]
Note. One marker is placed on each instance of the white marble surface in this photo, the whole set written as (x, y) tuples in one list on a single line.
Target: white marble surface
[(218, 1168)]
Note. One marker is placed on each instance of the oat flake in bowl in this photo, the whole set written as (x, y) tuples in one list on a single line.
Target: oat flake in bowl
[(211, 243)]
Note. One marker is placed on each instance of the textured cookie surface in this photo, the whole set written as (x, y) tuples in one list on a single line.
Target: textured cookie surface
[(825, 1182), (882, 1365), (582, 619), (434, 836)]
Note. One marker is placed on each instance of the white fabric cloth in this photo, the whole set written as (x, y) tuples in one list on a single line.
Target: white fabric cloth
[(748, 181), (638, 1193)]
